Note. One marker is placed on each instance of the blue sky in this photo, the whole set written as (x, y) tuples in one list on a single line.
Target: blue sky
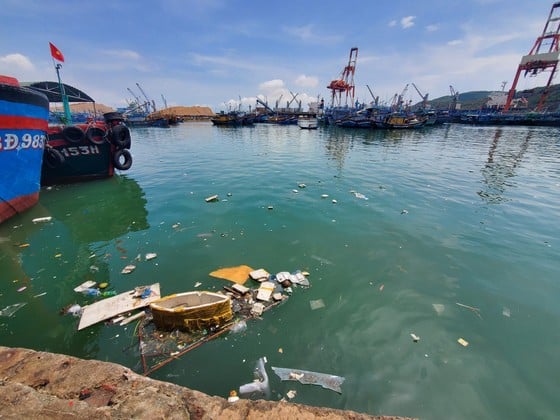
[(214, 52)]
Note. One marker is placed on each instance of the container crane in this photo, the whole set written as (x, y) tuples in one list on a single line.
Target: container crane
[(345, 84), (543, 56)]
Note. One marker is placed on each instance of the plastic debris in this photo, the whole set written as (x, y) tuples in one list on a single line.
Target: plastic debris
[(259, 275), (257, 309), (22, 288), (305, 377), (334, 201), (438, 307), (260, 384), (238, 274), (233, 396), (295, 191), (40, 294), (75, 310), (463, 342), (415, 338), (239, 327), (85, 285), (42, 219), (265, 291), (128, 269), (324, 196), (150, 256), (103, 285), (404, 211), (197, 284), (506, 312), (316, 304), (133, 318), (302, 185), (359, 195), (8, 311), (291, 394), (211, 198), (270, 207)]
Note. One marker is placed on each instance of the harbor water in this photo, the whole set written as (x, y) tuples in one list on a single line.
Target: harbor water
[(440, 233)]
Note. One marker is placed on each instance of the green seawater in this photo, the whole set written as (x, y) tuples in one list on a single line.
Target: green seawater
[(454, 214)]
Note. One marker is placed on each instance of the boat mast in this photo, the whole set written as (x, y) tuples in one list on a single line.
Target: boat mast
[(65, 104)]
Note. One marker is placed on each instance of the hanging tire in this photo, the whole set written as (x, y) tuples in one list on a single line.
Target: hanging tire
[(73, 134), (96, 135), (120, 136), (122, 159), (52, 157)]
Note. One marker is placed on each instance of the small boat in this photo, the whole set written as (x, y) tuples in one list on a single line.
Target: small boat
[(192, 311), (233, 118), (308, 121), (402, 121), (82, 151), (23, 124)]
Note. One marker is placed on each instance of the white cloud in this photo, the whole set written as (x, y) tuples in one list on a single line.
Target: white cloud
[(392, 23), (307, 81), (407, 22), (12, 63), (432, 28), (454, 42), (308, 34), (126, 54)]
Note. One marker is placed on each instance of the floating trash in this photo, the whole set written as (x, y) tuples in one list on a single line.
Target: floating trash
[(150, 256), (260, 384), (128, 269), (438, 307), (506, 312), (302, 185), (463, 342), (316, 304), (8, 311), (74, 310), (324, 196), (305, 377), (359, 195), (212, 198), (415, 338), (84, 286), (334, 201), (291, 394), (42, 219), (22, 288)]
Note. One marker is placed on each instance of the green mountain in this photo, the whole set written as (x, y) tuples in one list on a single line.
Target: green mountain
[(478, 99)]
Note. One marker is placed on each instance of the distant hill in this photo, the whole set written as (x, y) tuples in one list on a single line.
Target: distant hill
[(477, 99)]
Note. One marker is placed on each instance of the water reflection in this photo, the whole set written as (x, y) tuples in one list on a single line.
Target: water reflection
[(504, 156)]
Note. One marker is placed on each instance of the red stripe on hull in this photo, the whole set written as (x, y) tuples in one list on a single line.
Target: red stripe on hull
[(22, 123), (17, 205)]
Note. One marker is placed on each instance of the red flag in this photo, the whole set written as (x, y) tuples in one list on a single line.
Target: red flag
[(56, 54)]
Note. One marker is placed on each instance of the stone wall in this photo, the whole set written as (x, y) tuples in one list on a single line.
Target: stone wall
[(53, 386)]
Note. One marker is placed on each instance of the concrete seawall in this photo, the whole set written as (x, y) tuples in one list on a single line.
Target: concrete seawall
[(54, 386)]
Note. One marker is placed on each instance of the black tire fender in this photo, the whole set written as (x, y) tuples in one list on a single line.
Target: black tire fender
[(96, 135), (52, 157), (73, 134), (120, 136), (118, 161)]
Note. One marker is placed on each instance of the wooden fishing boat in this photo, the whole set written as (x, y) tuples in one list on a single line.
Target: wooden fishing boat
[(192, 311), (23, 124)]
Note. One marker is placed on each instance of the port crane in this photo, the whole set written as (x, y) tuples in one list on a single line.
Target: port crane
[(148, 102), (543, 56), (424, 97), (454, 98), (164, 101), (375, 98), (345, 84)]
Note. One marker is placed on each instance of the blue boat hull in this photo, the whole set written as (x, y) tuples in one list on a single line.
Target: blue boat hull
[(23, 124)]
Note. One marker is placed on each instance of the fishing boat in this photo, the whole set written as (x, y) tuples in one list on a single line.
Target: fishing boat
[(233, 118), (23, 123), (82, 151), (192, 311), (401, 121), (308, 121)]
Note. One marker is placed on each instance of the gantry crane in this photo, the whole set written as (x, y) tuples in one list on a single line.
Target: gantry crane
[(345, 84), (543, 56)]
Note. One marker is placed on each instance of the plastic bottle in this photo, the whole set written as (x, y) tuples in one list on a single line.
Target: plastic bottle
[(91, 292)]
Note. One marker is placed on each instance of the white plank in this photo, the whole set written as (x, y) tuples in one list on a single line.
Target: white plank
[(115, 305)]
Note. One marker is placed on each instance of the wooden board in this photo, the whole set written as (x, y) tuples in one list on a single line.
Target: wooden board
[(115, 305)]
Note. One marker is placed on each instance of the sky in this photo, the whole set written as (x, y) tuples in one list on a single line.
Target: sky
[(226, 53)]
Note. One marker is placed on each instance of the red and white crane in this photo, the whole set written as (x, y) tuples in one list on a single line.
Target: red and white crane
[(543, 56), (345, 84)]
